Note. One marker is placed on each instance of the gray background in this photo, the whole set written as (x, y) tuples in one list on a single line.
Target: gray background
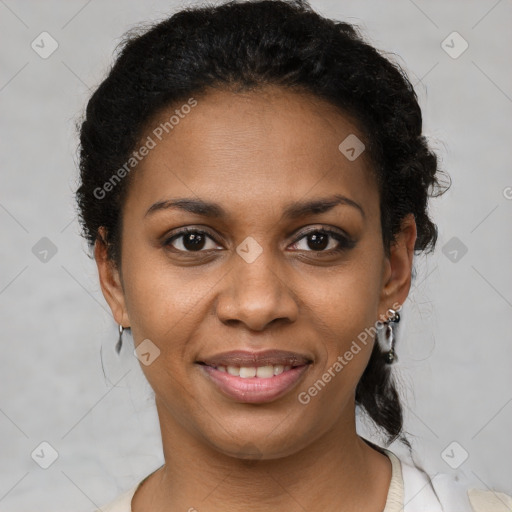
[(456, 345)]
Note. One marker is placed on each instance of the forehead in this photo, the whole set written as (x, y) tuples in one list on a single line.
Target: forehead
[(270, 145)]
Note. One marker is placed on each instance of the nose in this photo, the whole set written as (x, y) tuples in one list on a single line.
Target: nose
[(256, 294)]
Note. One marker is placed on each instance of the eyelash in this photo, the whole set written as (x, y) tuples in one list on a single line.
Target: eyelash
[(344, 242)]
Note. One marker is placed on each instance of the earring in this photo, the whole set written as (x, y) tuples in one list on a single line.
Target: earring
[(120, 340), (389, 335)]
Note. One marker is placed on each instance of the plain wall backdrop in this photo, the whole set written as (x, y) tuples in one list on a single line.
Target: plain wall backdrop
[(57, 333)]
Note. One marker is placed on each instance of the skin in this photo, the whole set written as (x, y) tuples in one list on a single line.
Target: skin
[(254, 153)]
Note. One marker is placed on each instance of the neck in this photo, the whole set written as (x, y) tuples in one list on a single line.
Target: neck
[(339, 471)]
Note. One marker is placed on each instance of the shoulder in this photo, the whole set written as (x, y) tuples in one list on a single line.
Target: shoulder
[(448, 492), (489, 501), (123, 503)]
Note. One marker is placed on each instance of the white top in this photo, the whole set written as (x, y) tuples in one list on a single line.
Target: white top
[(410, 490)]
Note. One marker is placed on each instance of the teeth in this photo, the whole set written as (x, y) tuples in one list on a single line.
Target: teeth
[(278, 369), (246, 372), (262, 372), (265, 372), (234, 370)]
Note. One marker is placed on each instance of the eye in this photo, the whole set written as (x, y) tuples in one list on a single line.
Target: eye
[(190, 240), (318, 240)]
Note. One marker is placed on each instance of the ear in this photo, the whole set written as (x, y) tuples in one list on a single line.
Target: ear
[(398, 268), (110, 280)]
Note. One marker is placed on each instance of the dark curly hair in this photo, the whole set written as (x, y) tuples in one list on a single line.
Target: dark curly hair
[(241, 46)]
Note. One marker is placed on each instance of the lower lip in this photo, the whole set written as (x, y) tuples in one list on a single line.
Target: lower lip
[(255, 390)]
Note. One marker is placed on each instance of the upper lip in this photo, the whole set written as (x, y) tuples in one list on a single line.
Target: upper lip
[(250, 359)]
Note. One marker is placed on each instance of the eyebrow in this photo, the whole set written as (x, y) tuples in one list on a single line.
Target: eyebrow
[(291, 211)]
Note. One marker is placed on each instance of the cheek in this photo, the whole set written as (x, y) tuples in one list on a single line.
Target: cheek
[(345, 301), (344, 309), (345, 341), (162, 308), (165, 316), (159, 296)]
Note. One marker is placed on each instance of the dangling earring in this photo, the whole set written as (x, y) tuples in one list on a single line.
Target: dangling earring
[(120, 340), (389, 335)]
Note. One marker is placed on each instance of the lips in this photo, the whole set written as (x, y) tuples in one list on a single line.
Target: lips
[(255, 377), (241, 358)]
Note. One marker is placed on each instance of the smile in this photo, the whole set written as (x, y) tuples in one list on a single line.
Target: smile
[(251, 377), (260, 372)]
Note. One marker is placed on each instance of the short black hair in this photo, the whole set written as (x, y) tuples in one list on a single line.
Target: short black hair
[(241, 46)]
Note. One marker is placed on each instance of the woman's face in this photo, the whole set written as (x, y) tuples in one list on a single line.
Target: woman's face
[(262, 288)]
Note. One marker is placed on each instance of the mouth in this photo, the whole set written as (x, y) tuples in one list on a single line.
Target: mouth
[(255, 377)]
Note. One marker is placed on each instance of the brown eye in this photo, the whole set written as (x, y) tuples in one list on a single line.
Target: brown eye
[(190, 240), (319, 240)]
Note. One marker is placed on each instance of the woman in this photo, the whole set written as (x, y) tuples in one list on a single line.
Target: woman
[(254, 182)]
